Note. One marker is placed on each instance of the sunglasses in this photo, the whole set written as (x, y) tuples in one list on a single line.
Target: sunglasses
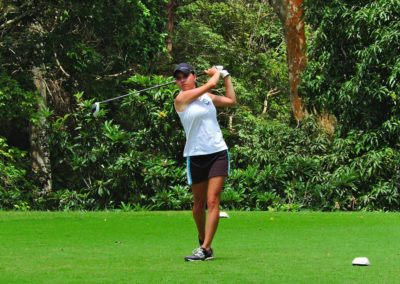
[(184, 76)]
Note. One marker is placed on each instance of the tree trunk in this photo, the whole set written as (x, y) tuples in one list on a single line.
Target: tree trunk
[(171, 8), (40, 149), (289, 12)]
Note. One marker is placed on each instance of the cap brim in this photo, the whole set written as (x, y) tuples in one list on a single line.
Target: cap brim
[(182, 71)]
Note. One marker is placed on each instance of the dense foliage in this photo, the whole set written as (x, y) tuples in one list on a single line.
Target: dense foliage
[(130, 155), (354, 73), (244, 36)]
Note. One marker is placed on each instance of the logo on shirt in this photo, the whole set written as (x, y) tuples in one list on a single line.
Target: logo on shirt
[(205, 101)]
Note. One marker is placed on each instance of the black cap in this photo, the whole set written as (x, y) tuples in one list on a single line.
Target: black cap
[(184, 68)]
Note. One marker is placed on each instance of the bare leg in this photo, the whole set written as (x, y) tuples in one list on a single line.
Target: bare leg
[(213, 196), (199, 207)]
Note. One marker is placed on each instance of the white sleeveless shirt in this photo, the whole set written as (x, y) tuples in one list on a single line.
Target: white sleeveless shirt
[(203, 134)]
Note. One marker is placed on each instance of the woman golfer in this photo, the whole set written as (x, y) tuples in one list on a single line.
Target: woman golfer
[(205, 150)]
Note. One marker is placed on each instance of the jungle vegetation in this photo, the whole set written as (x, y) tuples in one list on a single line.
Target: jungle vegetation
[(338, 150)]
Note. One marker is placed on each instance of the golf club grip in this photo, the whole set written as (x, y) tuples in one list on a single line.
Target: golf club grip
[(201, 74)]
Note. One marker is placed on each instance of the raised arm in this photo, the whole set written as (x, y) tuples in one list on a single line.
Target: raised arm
[(230, 96), (189, 90)]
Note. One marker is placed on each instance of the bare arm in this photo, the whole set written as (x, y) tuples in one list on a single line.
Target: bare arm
[(230, 96), (188, 96)]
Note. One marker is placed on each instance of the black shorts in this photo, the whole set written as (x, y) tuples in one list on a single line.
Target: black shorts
[(201, 168)]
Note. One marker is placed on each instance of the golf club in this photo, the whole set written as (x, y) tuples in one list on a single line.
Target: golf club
[(96, 105)]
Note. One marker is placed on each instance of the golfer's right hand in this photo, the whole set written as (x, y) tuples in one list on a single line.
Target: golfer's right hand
[(212, 71)]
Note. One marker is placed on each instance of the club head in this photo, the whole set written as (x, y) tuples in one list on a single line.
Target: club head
[(95, 108)]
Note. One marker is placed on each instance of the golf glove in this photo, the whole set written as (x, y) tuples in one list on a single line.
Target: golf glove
[(224, 73), (221, 70)]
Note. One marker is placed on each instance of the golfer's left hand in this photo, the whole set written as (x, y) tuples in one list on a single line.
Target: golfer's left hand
[(224, 73), (221, 70)]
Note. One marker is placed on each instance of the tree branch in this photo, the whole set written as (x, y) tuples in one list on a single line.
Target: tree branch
[(9, 22), (60, 66), (269, 94), (114, 75), (10, 10)]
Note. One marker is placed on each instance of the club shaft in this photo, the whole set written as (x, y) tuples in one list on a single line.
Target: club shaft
[(144, 90), (137, 92)]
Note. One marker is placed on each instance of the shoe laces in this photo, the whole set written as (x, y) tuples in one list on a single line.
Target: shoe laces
[(198, 252)]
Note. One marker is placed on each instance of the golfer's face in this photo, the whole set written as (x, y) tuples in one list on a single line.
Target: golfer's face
[(185, 81)]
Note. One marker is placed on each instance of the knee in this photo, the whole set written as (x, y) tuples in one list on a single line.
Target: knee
[(199, 204), (213, 203)]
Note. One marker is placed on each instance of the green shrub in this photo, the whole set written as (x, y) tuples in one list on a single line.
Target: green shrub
[(15, 189), (138, 164)]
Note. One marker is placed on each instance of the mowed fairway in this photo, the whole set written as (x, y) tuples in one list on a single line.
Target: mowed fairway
[(149, 247)]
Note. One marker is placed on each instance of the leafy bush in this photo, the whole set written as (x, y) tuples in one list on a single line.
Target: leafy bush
[(354, 67), (15, 189), (138, 165), (104, 164), (129, 157), (281, 167)]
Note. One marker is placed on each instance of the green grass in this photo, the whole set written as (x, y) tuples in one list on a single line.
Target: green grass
[(149, 247)]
